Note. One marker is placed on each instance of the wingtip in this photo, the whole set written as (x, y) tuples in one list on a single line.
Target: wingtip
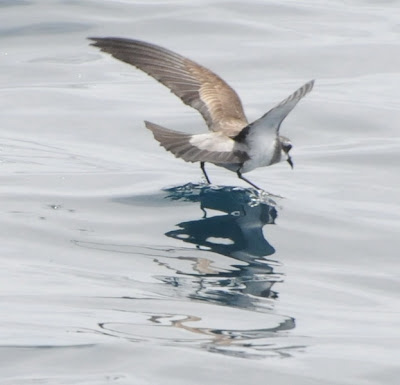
[(94, 40), (308, 86), (99, 41), (151, 126)]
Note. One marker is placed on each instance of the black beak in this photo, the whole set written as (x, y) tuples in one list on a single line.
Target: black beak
[(289, 160)]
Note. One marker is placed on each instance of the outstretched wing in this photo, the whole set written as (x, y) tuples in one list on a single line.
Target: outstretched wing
[(197, 86), (211, 147), (270, 123), (276, 116)]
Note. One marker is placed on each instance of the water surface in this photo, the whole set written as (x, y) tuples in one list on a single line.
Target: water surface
[(119, 265)]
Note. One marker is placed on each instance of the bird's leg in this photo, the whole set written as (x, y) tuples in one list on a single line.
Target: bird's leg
[(204, 172), (239, 174)]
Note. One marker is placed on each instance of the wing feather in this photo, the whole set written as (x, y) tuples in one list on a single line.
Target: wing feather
[(276, 115), (194, 148), (268, 125), (197, 86)]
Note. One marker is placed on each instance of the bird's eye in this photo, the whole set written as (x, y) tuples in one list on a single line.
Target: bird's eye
[(287, 147)]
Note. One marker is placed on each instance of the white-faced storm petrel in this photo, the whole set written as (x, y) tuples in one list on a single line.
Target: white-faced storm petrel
[(233, 143)]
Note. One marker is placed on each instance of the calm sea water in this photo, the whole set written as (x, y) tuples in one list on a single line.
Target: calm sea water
[(118, 265)]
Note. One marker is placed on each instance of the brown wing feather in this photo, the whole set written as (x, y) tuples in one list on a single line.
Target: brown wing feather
[(180, 144), (197, 86)]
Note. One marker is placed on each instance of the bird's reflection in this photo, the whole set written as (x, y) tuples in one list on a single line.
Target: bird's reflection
[(222, 258), (231, 224)]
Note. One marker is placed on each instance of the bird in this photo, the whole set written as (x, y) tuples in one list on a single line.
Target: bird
[(233, 142)]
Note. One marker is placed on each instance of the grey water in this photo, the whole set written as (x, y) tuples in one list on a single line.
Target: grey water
[(119, 265)]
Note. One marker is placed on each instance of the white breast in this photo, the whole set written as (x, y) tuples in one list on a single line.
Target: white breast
[(261, 151)]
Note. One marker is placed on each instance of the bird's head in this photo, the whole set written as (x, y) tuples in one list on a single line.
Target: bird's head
[(286, 146)]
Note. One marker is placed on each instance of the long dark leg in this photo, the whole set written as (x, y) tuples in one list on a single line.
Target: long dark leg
[(239, 174), (204, 172)]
